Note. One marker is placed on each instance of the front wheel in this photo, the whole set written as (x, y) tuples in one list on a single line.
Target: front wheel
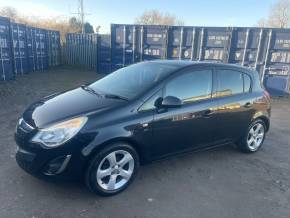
[(254, 137), (112, 169)]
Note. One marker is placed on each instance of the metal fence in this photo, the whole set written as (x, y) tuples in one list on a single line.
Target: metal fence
[(24, 49), (92, 51), (81, 49)]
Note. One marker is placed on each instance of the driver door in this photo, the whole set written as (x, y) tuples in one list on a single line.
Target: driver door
[(191, 125)]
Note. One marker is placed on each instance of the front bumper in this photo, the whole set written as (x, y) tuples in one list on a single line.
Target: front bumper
[(29, 162), (65, 161), (52, 166), (25, 159)]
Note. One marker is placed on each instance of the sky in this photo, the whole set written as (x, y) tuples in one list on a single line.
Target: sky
[(192, 12)]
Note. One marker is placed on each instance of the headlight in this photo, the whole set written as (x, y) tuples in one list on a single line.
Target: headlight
[(59, 133)]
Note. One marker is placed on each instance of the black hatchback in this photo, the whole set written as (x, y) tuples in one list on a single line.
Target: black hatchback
[(102, 132)]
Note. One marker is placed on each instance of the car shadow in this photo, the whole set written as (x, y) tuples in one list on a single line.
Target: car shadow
[(149, 172)]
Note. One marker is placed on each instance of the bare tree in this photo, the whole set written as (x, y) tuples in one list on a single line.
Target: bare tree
[(158, 18), (9, 12), (262, 23), (279, 15), (63, 25)]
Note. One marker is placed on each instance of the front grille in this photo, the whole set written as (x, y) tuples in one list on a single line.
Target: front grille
[(24, 126), (23, 132)]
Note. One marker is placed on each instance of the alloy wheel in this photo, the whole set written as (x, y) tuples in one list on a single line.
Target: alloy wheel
[(255, 136), (115, 170)]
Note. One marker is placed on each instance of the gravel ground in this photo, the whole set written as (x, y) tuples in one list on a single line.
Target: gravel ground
[(216, 183)]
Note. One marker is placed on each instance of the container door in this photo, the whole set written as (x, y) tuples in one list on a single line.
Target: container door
[(124, 42), (6, 65), (20, 55), (104, 53), (277, 64), (181, 41)]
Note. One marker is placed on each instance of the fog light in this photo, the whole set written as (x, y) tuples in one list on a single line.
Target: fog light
[(57, 165)]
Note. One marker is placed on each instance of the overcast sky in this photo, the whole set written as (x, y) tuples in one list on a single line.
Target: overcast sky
[(192, 12)]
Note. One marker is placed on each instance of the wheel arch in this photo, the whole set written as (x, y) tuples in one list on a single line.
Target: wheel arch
[(142, 156), (265, 119)]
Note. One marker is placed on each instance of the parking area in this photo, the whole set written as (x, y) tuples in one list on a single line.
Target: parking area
[(216, 183)]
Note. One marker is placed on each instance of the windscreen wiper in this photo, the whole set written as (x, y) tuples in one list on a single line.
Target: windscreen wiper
[(116, 97), (89, 89)]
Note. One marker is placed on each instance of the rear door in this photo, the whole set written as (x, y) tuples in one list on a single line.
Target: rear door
[(235, 103)]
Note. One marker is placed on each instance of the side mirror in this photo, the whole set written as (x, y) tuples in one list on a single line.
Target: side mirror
[(168, 102)]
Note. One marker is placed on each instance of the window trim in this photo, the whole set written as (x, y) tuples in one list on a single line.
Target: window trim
[(251, 83), (148, 99), (216, 85)]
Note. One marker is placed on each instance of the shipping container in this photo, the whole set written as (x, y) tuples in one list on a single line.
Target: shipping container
[(266, 50), (41, 48), (124, 50), (54, 49), (277, 85), (19, 49), (31, 52), (104, 54), (133, 43), (37, 48), (24, 49), (6, 56)]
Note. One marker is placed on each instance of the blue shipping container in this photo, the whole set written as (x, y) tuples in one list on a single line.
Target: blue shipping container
[(266, 50), (31, 55), (104, 54), (6, 57), (20, 55), (37, 48), (54, 49), (24, 48), (41, 48)]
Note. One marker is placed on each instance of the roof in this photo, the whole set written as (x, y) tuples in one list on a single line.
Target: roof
[(184, 63)]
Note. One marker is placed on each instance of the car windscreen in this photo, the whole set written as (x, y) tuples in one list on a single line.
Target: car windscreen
[(133, 80)]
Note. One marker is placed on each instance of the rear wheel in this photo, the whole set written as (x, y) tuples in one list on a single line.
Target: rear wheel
[(254, 138), (112, 169)]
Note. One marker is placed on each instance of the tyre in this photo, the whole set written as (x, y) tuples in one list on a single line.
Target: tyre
[(112, 169), (254, 137)]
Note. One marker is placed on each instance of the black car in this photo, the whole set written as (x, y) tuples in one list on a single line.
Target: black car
[(103, 131)]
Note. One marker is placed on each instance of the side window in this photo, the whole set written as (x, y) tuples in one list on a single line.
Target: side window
[(247, 83), (191, 86), (229, 82), (149, 104)]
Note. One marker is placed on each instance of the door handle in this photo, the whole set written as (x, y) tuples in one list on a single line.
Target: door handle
[(247, 105), (207, 113)]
